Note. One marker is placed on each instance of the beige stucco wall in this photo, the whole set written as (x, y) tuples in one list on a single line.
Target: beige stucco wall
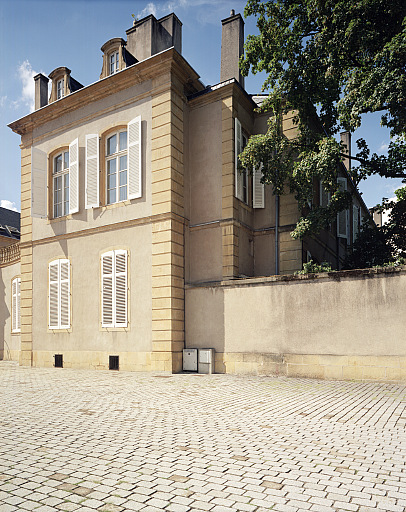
[(98, 117), (9, 342), (86, 334), (348, 315), (203, 193), (204, 163)]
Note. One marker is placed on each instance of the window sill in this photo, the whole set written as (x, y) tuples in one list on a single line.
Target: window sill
[(115, 329), (17, 333), (116, 205), (56, 330), (60, 219)]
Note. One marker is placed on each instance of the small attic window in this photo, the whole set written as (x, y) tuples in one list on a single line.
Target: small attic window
[(114, 62), (60, 89)]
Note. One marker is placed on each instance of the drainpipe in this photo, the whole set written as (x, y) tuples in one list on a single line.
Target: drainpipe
[(276, 235)]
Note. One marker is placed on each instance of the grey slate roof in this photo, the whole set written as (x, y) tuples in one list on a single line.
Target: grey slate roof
[(9, 223)]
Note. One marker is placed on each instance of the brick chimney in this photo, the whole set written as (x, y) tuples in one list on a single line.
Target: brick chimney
[(41, 90), (346, 140), (232, 47)]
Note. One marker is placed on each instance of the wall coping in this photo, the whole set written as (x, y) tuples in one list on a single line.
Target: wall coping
[(334, 276)]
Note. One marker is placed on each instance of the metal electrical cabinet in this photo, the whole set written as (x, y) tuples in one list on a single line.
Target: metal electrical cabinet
[(206, 360), (190, 359)]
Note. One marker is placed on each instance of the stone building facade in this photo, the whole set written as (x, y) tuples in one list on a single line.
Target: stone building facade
[(130, 191)]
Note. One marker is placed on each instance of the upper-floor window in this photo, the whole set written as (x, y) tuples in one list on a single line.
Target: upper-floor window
[(60, 88), (116, 167), (15, 307), (61, 184), (241, 175), (114, 63)]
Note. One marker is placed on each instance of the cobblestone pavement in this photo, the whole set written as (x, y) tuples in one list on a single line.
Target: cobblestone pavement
[(112, 441)]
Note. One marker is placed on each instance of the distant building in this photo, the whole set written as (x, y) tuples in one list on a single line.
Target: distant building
[(9, 227), (130, 190)]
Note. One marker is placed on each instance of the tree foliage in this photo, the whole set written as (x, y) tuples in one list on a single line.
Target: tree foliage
[(328, 61)]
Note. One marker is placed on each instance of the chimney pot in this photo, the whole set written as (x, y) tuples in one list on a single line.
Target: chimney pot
[(232, 12)]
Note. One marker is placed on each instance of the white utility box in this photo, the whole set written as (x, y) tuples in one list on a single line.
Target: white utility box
[(190, 359), (206, 360)]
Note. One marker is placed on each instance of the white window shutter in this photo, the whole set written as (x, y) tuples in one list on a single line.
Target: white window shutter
[(54, 295), (38, 183), (238, 149), (92, 171), (258, 189), (74, 176), (64, 294), (107, 288), (120, 285), (14, 305), (18, 312), (134, 158), (342, 217)]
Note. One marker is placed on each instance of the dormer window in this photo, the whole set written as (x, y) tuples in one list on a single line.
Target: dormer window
[(115, 57), (62, 84), (114, 61), (60, 89)]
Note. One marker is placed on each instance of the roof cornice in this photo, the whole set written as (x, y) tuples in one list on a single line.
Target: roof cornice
[(167, 61)]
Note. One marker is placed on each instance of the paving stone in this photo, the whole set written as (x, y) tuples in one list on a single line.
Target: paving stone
[(217, 443)]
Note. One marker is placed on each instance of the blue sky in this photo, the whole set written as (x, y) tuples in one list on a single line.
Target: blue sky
[(41, 35)]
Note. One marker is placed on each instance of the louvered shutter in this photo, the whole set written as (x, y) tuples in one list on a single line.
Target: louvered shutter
[(92, 171), (238, 149), (134, 158), (14, 305), (342, 217), (74, 176), (107, 289), (54, 294), (64, 294), (18, 309), (355, 221), (38, 183), (120, 291), (258, 189)]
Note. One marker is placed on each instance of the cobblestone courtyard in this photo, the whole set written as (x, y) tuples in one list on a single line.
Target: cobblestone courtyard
[(112, 441)]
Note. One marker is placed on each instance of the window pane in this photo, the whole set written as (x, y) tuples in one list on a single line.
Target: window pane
[(111, 196), (123, 163), (123, 141), (112, 145), (66, 194), (111, 166), (66, 160), (123, 178), (123, 193), (58, 164), (111, 181)]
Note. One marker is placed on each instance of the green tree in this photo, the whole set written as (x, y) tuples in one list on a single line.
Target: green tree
[(330, 62)]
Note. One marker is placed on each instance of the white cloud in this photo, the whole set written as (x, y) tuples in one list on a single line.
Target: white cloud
[(5, 203), (150, 8), (3, 100), (162, 8), (26, 76), (383, 147)]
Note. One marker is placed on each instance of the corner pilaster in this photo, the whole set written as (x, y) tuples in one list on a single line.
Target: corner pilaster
[(168, 328)]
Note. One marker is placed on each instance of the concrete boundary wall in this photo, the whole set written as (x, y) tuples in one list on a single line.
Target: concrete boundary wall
[(338, 325)]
